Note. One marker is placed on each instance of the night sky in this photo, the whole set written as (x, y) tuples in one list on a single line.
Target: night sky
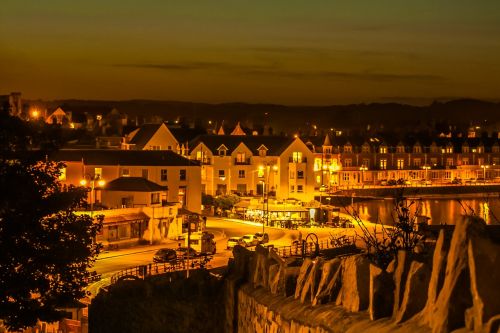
[(279, 51)]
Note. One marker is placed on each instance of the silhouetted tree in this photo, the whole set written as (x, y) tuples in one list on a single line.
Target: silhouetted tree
[(46, 249)]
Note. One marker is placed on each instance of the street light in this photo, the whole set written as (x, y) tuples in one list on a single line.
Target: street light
[(266, 167), (363, 168), (426, 167), (484, 171), (92, 180)]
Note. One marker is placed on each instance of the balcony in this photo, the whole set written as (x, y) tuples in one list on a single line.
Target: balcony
[(296, 160)]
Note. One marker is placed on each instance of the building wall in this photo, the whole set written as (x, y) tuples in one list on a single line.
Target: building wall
[(163, 138)]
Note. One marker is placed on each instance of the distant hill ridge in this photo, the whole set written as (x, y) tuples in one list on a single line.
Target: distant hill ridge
[(460, 112)]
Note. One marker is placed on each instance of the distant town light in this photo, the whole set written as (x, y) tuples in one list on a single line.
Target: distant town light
[(35, 113), (99, 117)]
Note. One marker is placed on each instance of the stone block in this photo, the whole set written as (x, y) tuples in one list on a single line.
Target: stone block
[(304, 272), (484, 270), (415, 296), (448, 312), (354, 295), (260, 276), (291, 276), (311, 282), (400, 273), (276, 279), (329, 285), (381, 293)]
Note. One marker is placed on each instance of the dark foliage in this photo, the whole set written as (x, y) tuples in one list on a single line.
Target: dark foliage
[(46, 249)]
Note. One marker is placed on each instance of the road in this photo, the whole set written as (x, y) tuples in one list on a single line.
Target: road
[(111, 262)]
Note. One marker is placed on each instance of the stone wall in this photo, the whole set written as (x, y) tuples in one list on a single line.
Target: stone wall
[(452, 288)]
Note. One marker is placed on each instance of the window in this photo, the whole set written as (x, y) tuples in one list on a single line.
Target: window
[(449, 149), (262, 152), (318, 179), (292, 188), (300, 174), (222, 151), (241, 173), (495, 148), (480, 149), (365, 148), (182, 195), (182, 174), (465, 148), (400, 149), (155, 147), (345, 177), (292, 175), (366, 162), (400, 163), (240, 158), (417, 149), (449, 162), (480, 161), (155, 198), (347, 162), (383, 164), (317, 164), (145, 173), (300, 188), (163, 175), (347, 149), (297, 157), (496, 160), (383, 150), (465, 161), (169, 148), (434, 161), (417, 162), (98, 172), (125, 172), (222, 174), (328, 150)]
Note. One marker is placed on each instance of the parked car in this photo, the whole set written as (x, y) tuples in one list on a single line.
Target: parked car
[(425, 182), (383, 182), (233, 241), (392, 182), (471, 181), (249, 240), (182, 252), (262, 237), (165, 255), (457, 181)]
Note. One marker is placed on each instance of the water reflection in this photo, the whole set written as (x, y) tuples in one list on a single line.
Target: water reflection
[(441, 211)]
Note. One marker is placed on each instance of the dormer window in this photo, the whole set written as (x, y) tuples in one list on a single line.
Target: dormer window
[(400, 149), (365, 148), (383, 149), (434, 148), (449, 149), (417, 149), (222, 150), (262, 151), (480, 149), (465, 148), (348, 148)]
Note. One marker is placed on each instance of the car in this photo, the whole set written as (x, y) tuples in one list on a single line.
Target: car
[(457, 181), (262, 237), (233, 241), (392, 182), (165, 256), (182, 252), (383, 182), (425, 182), (471, 181), (249, 240)]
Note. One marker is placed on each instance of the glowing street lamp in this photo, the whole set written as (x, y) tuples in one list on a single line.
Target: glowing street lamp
[(484, 167), (92, 181), (363, 168)]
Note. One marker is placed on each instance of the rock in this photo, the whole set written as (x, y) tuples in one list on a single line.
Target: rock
[(484, 270), (354, 294), (276, 279), (455, 296), (400, 274), (493, 325), (329, 285), (437, 276), (415, 297), (381, 293), (311, 282), (261, 270), (304, 272)]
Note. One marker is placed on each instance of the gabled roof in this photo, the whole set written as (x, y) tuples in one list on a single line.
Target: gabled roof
[(145, 133), (275, 144), (134, 184), (123, 157), (327, 141), (237, 130)]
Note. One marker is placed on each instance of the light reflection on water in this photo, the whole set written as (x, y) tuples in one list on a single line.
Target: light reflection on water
[(441, 211)]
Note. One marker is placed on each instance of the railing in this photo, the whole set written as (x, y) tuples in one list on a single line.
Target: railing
[(144, 271), (310, 247)]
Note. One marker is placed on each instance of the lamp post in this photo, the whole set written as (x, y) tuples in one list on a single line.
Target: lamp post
[(363, 168), (484, 167), (92, 180), (265, 189), (426, 167)]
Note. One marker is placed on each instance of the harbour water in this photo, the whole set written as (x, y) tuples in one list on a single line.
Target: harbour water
[(441, 211)]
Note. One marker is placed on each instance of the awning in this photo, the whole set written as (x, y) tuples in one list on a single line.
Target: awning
[(125, 219)]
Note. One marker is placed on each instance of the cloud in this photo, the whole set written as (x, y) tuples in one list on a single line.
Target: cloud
[(273, 70)]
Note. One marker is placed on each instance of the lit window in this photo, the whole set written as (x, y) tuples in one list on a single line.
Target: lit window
[(297, 157), (240, 158), (383, 150), (125, 172), (62, 174), (401, 163), (383, 164), (155, 198), (98, 172)]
